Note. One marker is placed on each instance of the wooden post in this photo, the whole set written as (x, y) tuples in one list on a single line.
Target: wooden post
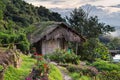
[(76, 47), (2, 75)]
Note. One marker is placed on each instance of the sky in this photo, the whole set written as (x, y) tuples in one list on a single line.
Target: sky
[(111, 5), (108, 11)]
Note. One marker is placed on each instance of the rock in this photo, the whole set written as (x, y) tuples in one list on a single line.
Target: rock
[(54, 63), (2, 75)]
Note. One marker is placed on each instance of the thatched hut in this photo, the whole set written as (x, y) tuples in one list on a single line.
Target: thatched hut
[(50, 36)]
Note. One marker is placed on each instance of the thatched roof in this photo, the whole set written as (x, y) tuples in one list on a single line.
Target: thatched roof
[(48, 30)]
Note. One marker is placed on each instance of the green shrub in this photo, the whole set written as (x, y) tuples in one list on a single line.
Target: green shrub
[(77, 76), (62, 56), (81, 70), (74, 68), (105, 66), (55, 73), (111, 75), (19, 39), (1, 67), (93, 49)]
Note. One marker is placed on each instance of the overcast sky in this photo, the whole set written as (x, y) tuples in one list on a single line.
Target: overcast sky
[(108, 11), (111, 5)]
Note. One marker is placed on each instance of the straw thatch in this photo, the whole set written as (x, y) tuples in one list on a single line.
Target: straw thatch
[(54, 30)]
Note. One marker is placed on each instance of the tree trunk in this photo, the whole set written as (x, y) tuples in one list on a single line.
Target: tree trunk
[(76, 48)]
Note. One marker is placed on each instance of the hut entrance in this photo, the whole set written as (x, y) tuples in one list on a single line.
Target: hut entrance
[(63, 44), (38, 47)]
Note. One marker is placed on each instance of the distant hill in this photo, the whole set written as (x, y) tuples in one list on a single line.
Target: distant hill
[(23, 14)]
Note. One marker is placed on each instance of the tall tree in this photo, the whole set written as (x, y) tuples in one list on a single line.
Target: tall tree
[(88, 26), (114, 44)]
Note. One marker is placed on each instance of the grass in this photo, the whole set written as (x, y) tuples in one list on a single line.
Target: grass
[(55, 73), (106, 66), (77, 76), (20, 73)]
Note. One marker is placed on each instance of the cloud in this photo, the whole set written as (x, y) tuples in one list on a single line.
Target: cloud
[(63, 12), (116, 6), (107, 11), (53, 1), (116, 33), (103, 14), (58, 2), (62, 3)]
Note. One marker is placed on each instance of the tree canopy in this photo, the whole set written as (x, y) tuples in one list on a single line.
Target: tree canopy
[(88, 26)]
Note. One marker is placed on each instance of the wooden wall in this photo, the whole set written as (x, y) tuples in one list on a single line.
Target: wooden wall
[(50, 46)]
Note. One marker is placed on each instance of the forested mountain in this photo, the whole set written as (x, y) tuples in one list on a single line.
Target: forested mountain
[(24, 14), (16, 17)]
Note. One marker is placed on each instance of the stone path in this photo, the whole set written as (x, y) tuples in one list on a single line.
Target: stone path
[(64, 72)]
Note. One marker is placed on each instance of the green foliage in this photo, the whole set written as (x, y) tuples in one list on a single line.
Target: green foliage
[(16, 19), (41, 68), (105, 66), (88, 26), (62, 56), (114, 44), (1, 67), (19, 39), (22, 72), (93, 49), (112, 75), (55, 73), (2, 7), (24, 14), (23, 45), (76, 76), (81, 70)]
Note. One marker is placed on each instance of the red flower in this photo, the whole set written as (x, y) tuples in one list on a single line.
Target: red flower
[(40, 55), (45, 65), (35, 53), (40, 58)]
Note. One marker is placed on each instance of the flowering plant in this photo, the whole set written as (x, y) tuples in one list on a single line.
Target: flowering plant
[(41, 68)]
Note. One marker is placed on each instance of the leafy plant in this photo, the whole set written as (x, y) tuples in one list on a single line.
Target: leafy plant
[(82, 70), (93, 49), (112, 75), (40, 70), (62, 56), (105, 66), (1, 67)]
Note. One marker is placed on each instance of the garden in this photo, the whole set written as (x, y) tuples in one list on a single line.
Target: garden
[(96, 70)]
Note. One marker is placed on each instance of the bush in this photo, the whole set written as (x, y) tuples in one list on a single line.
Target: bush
[(1, 67), (93, 49), (19, 39), (112, 75), (41, 68), (62, 56), (81, 70), (105, 66)]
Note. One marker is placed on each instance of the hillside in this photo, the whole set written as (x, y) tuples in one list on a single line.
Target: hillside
[(16, 18), (24, 14)]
